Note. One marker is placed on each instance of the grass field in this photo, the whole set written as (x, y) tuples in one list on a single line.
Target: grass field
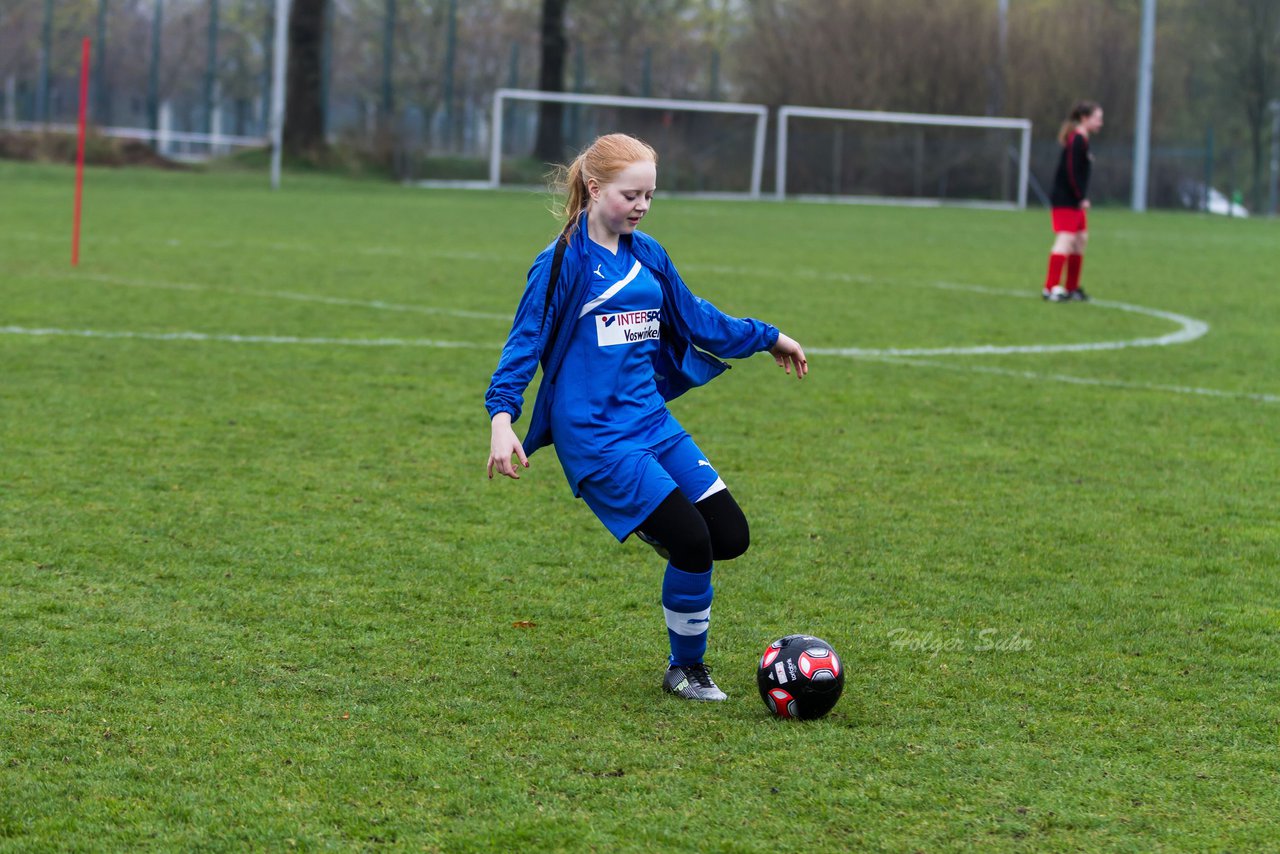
[(256, 592)]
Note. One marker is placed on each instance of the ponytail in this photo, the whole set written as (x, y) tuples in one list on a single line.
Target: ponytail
[(1081, 111), (574, 184)]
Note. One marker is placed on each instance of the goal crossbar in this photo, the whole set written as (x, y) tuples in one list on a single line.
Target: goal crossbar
[(883, 117), (760, 112)]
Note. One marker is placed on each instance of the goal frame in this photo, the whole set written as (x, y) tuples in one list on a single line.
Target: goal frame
[(882, 117), (760, 111)]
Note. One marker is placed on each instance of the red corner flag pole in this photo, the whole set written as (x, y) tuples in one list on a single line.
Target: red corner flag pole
[(84, 113)]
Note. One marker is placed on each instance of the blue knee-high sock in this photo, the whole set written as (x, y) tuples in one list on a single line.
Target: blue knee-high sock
[(686, 599)]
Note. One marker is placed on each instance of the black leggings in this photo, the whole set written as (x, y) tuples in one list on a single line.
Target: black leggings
[(697, 534)]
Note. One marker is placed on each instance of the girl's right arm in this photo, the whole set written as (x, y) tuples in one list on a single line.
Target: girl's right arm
[(502, 445), (504, 399)]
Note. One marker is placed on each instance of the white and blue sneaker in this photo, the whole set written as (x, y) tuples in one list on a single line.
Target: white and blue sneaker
[(692, 682)]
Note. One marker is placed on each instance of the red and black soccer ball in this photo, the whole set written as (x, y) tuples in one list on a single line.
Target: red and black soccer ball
[(800, 676)]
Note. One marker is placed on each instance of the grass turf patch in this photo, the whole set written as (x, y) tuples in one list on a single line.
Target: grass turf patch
[(261, 595)]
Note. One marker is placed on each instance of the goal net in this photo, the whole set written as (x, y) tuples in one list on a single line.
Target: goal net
[(704, 147), (904, 158)]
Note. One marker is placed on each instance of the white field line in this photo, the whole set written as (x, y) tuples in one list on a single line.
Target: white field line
[(245, 339), (1072, 380), (1189, 329), (287, 295), (272, 245)]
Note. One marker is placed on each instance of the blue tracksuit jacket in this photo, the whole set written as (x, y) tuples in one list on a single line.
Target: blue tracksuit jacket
[(690, 325)]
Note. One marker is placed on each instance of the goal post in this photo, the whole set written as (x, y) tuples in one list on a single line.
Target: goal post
[(753, 173), (891, 144)]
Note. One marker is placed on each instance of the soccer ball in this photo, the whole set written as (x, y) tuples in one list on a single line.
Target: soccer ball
[(800, 676)]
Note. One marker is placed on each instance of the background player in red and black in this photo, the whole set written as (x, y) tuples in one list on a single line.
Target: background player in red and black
[(1070, 200)]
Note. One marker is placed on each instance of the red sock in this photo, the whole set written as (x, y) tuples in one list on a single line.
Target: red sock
[(1055, 269), (1074, 263)]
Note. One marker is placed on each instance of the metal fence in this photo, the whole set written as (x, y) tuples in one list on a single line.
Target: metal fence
[(412, 79)]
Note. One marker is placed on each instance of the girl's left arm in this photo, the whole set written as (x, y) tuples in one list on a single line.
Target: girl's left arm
[(720, 334), (788, 353), (736, 337), (1082, 167)]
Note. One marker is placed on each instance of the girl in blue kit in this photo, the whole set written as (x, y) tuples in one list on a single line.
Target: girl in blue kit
[(618, 334)]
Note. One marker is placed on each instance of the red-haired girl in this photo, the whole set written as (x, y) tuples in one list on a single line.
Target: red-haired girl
[(618, 334)]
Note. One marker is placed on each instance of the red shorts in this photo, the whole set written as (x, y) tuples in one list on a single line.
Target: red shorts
[(1069, 220)]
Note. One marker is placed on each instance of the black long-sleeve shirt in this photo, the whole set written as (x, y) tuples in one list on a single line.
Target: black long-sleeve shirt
[(1071, 181)]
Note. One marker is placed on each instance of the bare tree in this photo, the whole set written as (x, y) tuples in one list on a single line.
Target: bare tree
[(304, 115), (910, 55), (1245, 51), (550, 142)]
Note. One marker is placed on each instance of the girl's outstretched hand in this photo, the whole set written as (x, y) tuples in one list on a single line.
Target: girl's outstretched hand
[(502, 445), (788, 353)]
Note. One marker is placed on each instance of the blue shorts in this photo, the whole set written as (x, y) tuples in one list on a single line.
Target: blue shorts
[(624, 494)]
